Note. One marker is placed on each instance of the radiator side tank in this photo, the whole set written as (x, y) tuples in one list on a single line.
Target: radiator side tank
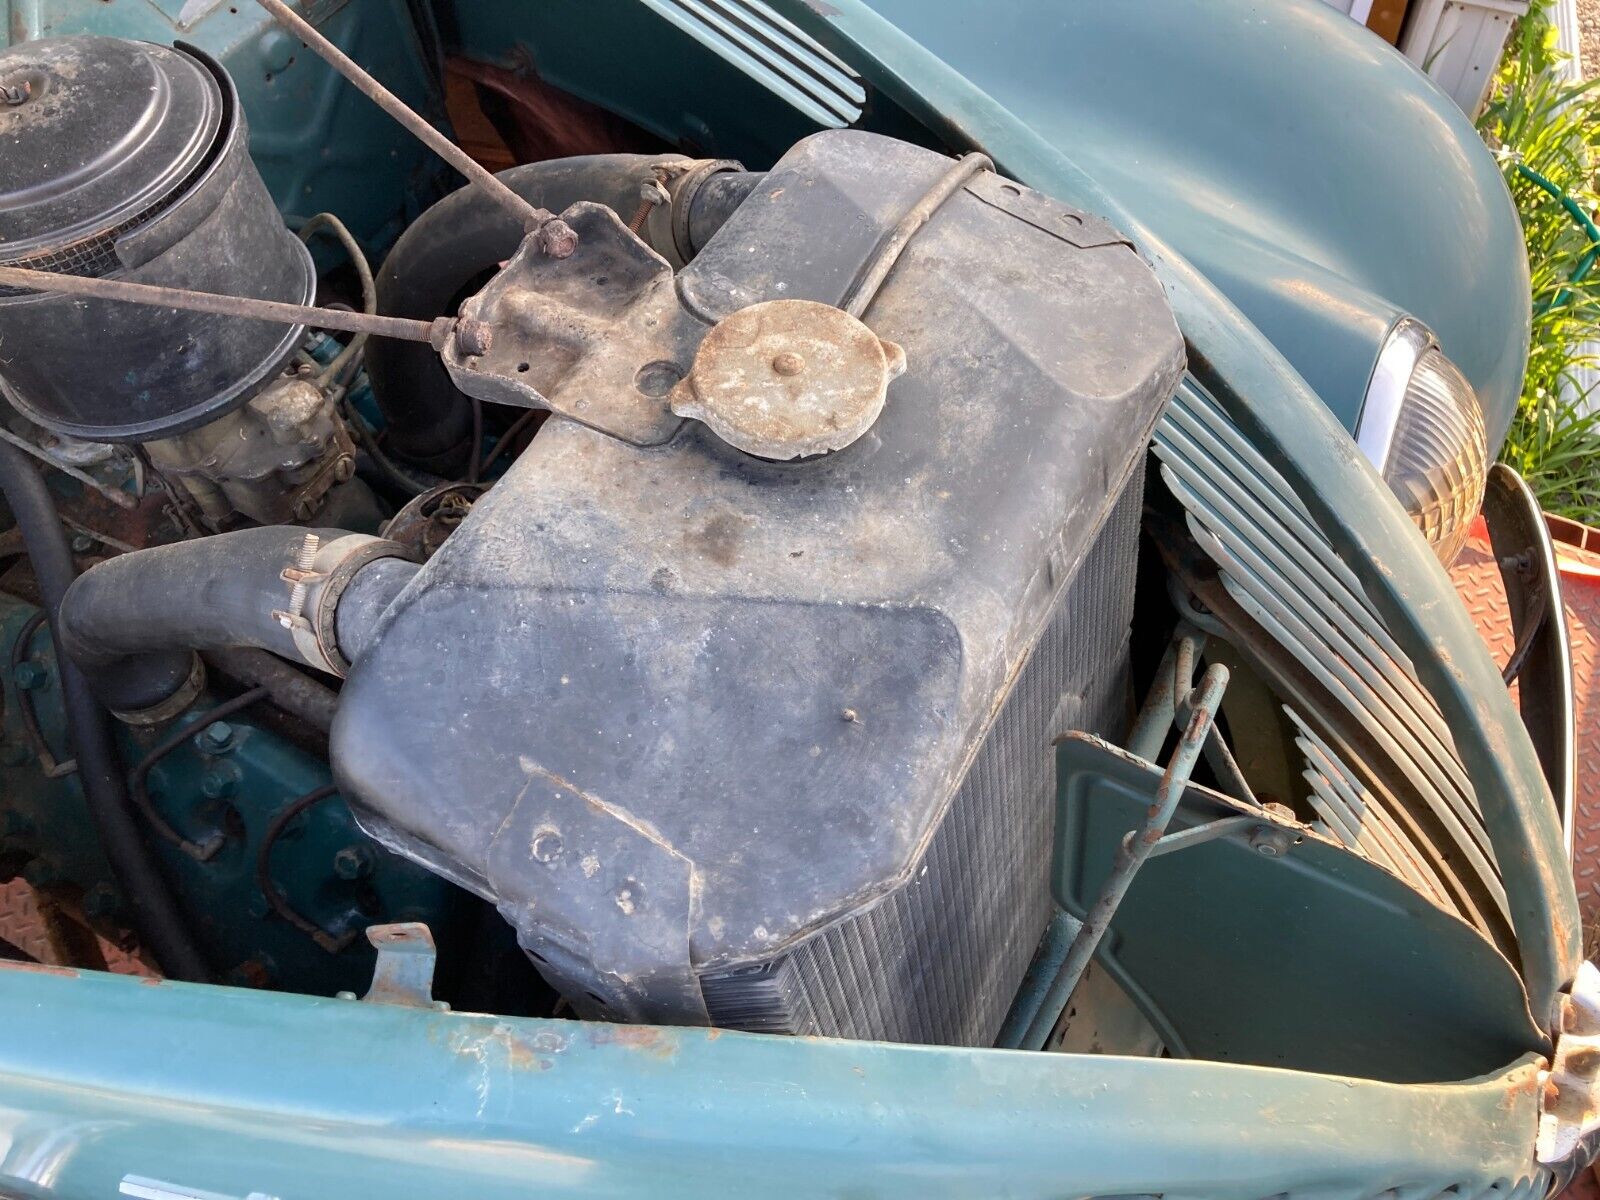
[(679, 710)]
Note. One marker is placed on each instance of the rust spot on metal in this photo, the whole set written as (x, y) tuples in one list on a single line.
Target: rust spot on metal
[(647, 1039), (38, 968)]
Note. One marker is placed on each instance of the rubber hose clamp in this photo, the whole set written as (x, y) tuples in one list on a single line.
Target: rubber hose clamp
[(339, 576)]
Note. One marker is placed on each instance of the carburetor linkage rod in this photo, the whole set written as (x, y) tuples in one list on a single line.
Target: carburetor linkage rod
[(433, 332), (554, 236)]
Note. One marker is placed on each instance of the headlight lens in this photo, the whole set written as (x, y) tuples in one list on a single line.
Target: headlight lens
[(1422, 427)]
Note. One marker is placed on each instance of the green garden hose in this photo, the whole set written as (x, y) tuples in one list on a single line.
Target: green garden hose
[(1581, 218)]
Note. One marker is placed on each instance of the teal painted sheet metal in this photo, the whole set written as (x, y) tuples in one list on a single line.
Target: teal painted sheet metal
[(1287, 422), (237, 1092), (1309, 957)]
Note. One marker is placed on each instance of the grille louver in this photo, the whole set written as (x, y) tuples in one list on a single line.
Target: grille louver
[(774, 52), (1409, 805)]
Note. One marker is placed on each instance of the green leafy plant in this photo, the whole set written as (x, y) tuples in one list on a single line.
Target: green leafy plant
[(1546, 132)]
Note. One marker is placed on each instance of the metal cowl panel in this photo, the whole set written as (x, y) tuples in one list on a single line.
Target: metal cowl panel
[(174, 201)]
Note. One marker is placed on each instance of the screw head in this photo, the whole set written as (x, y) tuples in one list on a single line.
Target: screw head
[(352, 862), (82, 543)]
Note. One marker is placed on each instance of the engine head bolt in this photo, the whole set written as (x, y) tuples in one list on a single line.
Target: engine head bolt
[(215, 737), (353, 862), (30, 676), (788, 363), (220, 782)]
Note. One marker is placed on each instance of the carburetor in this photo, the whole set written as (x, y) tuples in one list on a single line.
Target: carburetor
[(129, 160)]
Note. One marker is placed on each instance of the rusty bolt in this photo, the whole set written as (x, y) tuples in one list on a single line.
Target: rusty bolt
[(16, 93), (473, 337), (82, 543), (344, 467), (220, 781), (1269, 841), (788, 363), (353, 862), (556, 238)]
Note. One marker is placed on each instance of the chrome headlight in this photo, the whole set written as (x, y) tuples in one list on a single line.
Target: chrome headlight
[(1422, 427)]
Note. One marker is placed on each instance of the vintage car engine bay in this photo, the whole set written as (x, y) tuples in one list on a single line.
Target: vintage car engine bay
[(823, 598)]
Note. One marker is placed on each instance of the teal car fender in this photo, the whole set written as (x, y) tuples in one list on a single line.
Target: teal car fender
[(1301, 164)]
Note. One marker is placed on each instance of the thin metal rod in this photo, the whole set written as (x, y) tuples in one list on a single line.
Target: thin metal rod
[(557, 242), (889, 250), (120, 498), (228, 306), (1131, 855)]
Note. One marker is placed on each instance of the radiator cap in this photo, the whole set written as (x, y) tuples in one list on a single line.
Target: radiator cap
[(788, 379)]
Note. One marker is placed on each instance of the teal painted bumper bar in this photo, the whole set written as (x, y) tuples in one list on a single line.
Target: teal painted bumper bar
[(242, 1094)]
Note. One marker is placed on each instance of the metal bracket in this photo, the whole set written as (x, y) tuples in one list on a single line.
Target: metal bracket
[(1569, 1100), (1170, 702), (404, 971), (1132, 854)]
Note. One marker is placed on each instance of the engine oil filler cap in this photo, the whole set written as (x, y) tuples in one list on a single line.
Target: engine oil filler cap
[(787, 379)]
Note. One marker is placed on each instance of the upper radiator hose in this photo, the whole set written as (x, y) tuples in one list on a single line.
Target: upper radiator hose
[(278, 588)]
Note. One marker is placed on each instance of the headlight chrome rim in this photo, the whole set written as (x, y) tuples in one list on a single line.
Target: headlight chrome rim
[(1401, 353)]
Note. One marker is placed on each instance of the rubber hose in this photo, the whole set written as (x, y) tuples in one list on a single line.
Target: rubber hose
[(211, 593), (156, 916), (446, 250), (201, 594)]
